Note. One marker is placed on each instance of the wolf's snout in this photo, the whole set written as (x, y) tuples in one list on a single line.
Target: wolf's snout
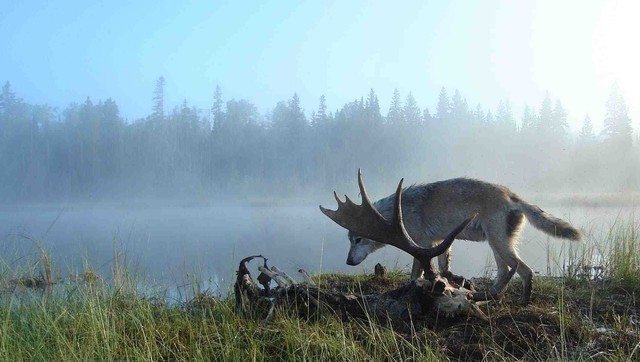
[(350, 262)]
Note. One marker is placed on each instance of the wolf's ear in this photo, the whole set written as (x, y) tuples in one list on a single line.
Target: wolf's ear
[(350, 235)]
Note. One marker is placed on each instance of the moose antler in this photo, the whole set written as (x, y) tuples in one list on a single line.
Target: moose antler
[(367, 221)]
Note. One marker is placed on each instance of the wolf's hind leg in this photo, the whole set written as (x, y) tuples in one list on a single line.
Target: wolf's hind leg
[(505, 251), (502, 234), (502, 277)]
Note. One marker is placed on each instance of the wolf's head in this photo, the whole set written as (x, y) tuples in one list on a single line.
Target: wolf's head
[(360, 248)]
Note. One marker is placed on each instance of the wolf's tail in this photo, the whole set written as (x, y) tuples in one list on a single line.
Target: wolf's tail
[(549, 223)]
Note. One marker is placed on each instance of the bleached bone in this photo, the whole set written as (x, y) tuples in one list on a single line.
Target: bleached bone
[(289, 279), (282, 282), (306, 276), (456, 301)]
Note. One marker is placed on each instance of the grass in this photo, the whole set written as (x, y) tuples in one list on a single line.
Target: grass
[(623, 258), (89, 323), (573, 317)]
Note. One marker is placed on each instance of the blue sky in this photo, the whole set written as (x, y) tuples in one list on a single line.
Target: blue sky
[(59, 52)]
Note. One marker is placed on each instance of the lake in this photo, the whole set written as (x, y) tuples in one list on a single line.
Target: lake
[(170, 245)]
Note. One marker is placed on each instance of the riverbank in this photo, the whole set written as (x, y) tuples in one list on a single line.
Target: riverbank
[(570, 319)]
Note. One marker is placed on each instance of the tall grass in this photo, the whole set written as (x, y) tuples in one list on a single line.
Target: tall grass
[(612, 255), (623, 256), (91, 321)]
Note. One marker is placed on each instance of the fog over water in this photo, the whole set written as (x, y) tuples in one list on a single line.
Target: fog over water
[(164, 245)]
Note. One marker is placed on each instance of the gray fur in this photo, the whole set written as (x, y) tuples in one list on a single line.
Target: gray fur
[(514, 222), (432, 210)]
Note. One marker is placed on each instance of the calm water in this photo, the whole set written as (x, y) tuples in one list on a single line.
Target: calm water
[(166, 244)]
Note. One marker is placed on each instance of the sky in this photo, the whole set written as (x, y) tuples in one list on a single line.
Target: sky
[(57, 52)]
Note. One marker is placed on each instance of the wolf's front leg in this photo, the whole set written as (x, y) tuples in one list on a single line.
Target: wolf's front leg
[(416, 269), (444, 261)]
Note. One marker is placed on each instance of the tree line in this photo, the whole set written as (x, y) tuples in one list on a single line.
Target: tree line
[(88, 151)]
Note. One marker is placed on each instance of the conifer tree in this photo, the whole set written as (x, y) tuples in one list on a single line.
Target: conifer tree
[(443, 111), (427, 119), (504, 116), (528, 119), (318, 119), (217, 112), (617, 123), (478, 115), (545, 117), (394, 116), (296, 114), (459, 109), (489, 118), (586, 136), (7, 98), (372, 109), (158, 99), (559, 123), (411, 111)]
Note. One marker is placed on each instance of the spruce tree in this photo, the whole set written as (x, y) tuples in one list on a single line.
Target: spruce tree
[(7, 98), (528, 119), (318, 119), (478, 115), (297, 117), (617, 123), (443, 111), (545, 117), (411, 111), (586, 135), (459, 109), (427, 119), (559, 123), (158, 99), (217, 113), (372, 109), (504, 116), (394, 116)]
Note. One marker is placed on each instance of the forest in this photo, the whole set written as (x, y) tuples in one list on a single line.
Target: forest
[(89, 152)]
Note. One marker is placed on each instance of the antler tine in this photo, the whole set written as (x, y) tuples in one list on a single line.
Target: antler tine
[(398, 219), (363, 192), (331, 213), (349, 202), (335, 195), (366, 202)]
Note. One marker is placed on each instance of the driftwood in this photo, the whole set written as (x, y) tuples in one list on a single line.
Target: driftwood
[(413, 301)]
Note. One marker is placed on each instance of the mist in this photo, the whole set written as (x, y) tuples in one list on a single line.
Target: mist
[(217, 135), (87, 152)]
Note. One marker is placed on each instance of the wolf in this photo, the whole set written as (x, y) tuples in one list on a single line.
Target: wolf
[(432, 210)]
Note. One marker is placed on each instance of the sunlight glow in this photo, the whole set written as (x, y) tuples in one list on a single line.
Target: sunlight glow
[(616, 54)]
